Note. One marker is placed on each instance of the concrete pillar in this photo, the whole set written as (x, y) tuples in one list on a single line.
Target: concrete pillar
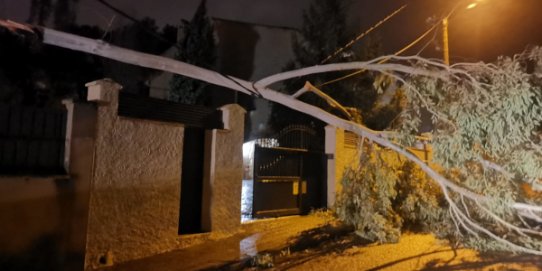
[(135, 189), (331, 152), (68, 103), (223, 176), (78, 160)]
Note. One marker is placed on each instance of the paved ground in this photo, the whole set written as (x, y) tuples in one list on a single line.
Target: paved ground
[(316, 242), (262, 235), (413, 252)]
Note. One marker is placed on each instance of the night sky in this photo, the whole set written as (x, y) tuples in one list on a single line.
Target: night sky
[(495, 27)]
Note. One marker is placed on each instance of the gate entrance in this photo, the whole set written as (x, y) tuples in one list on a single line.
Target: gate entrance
[(289, 173)]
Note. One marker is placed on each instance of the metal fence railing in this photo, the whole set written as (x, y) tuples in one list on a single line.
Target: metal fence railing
[(32, 140)]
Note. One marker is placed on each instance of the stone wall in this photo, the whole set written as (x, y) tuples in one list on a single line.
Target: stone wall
[(135, 191)]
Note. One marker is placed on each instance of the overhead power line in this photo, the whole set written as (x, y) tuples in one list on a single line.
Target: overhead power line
[(402, 50), (421, 37), (349, 44), (138, 23)]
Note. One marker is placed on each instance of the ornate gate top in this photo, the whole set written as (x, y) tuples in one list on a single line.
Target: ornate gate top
[(295, 136)]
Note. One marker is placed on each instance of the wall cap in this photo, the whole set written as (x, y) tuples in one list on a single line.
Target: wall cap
[(97, 90), (226, 116), (103, 81)]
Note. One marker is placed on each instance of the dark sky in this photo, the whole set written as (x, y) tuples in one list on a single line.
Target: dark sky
[(495, 27), (273, 12)]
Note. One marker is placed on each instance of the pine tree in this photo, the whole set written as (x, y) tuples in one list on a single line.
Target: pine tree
[(197, 47)]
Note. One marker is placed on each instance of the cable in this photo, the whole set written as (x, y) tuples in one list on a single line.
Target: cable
[(138, 23), (416, 40), (383, 60), (428, 43), (452, 11), (161, 38), (349, 44)]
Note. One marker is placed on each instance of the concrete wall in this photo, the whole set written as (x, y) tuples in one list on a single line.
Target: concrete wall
[(43, 219), (135, 191), (121, 198), (347, 156), (80, 139), (341, 155), (29, 211), (342, 150)]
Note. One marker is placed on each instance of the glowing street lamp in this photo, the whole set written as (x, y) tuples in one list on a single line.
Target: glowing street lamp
[(472, 5), (446, 48)]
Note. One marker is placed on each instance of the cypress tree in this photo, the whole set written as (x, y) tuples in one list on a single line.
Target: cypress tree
[(197, 47)]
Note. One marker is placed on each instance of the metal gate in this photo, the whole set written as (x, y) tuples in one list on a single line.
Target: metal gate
[(289, 173)]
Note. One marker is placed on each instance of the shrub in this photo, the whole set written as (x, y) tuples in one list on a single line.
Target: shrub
[(387, 195)]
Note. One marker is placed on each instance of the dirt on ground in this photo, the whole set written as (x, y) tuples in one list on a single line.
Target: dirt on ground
[(336, 247)]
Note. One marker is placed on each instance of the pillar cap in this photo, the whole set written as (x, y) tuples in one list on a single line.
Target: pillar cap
[(97, 90)]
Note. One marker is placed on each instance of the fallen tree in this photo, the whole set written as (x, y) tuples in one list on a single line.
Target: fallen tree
[(485, 118)]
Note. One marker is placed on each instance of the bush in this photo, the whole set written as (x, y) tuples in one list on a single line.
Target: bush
[(386, 195)]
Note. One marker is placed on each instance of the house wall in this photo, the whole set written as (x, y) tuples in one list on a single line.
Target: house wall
[(135, 191), (159, 84), (252, 52)]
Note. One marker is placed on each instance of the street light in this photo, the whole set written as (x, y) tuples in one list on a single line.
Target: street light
[(445, 46)]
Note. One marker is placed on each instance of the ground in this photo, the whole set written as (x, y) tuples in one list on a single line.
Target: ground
[(319, 242)]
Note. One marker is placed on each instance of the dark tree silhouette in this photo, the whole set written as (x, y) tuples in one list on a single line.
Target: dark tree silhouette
[(40, 10), (197, 47)]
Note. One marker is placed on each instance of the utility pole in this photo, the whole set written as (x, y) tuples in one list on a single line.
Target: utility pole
[(445, 41), (445, 48)]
